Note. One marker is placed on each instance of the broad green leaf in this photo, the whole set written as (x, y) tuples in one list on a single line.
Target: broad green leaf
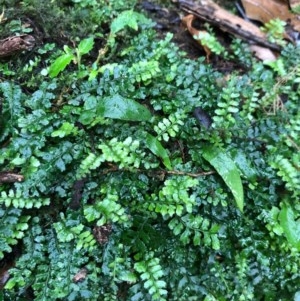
[(85, 46), (157, 149), (290, 225), (60, 64), (227, 169), (118, 107), (244, 165)]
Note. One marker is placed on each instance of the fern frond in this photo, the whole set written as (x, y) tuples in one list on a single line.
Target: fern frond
[(169, 127), (106, 209), (196, 229), (13, 225), (151, 273), (228, 105), (288, 172), (89, 163), (144, 71), (125, 153), (17, 200)]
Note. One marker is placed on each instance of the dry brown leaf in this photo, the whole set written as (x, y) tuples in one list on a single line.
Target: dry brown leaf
[(263, 53), (266, 10), (80, 275), (101, 233), (187, 23)]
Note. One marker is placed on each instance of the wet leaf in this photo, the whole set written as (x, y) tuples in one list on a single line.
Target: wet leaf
[(266, 10), (290, 225), (60, 64), (157, 149), (85, 46), (227, 169), (118, 107)]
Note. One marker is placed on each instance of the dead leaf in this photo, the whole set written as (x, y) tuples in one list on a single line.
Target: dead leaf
[(263, 53), (266, 10), (187, 23), (80, 275), (2, 18), (101, 233)]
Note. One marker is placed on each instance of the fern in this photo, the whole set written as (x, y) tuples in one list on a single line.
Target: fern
[(12, 108), (17, 201), (194, 229), (69, 230), (13, 225), (169, 127), (106, 209), (173, 198), (288, 172), (89, 163), (228, 105), (151, 273), (125, 153), (154, 188), (144, 71)]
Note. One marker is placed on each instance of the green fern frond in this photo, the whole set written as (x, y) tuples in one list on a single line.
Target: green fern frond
[(125, 153), (195, 229), (228, 105), (16, 200), (151, 273), (13, 225), (144, 71), (106, 208), (169, 127), (89, 163), (288, 172)]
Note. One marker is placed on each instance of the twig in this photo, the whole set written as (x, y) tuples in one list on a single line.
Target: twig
[(115, 168)]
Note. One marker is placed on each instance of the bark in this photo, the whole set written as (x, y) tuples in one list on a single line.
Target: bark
[(210, 12)]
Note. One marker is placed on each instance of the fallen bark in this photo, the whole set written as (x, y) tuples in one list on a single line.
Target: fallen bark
[(210, 12)]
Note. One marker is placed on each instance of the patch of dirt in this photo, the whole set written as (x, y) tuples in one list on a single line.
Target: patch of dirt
[(168, 19)]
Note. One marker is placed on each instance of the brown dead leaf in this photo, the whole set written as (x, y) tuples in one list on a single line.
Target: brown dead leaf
[(2, 18), (187, 23), (263, 53), (80, 275), (266, 10), (102, 233)]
